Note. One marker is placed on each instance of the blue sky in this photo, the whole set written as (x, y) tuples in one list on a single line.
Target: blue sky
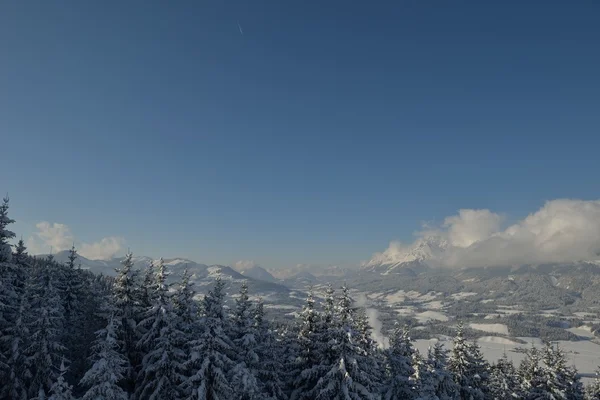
[(318, 135)]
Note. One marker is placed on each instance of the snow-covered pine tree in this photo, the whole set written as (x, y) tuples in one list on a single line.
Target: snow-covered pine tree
[(481, 368), (593, 389), (243, 374), (270, 366), (209, 363), (8, 291), (127, 310), (20, 256), (345, 379), (561, 381), (424, 382), (305, 372), (465, 368), (109, 365), (503, 381), (146, 288), (532, 377), (437, 359), (71, 285), (16, 340), (5, 234), (45, 350), (61, 390), (372, 360), (162, 365), (398, 366), (186, 307)]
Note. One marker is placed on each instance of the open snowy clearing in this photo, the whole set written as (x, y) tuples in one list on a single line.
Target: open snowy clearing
[(493, 328), (462, 295), (431, 315)]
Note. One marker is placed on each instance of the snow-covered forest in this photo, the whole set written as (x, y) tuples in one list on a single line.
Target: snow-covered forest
[(69, 334)]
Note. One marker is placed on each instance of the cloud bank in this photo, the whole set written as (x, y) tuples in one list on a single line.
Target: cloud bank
[(244, 265), (562, 230), (57, 237)]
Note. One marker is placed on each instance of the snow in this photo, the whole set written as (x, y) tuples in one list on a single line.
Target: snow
[(583, 354), (583, 331), (431, 315), (434, 305), (462, 295), (494, 328), (282, 306)]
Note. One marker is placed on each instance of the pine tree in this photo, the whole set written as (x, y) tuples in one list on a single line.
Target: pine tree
[(16, 340), (532, 377), (109, 366), (445, 387), (45, 350), (127, 309), (424, 381), (270, 366), (345, 378), (593, 390), (243, 377), (465, 366), (5, 234), (61, 390), (398, 366), (209, 363), (8, 290), (306, 370), (561, 381), (162, 365), (71, 286), (20, 256), (186, 307), (503, 382)]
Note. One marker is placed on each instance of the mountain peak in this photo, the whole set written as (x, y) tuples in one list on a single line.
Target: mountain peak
[(397, 255)]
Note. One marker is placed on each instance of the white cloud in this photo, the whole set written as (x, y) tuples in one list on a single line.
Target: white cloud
[(243, 265), (57, 237), (562, 230), (105, 249)]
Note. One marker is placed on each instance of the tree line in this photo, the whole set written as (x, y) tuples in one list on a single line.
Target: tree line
[(66, 333)]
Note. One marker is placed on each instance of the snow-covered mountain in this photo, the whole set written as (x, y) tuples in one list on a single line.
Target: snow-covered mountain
[(202, 275), (257, 272), (416, 258)]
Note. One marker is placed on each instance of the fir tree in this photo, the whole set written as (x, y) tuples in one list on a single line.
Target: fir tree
[(5, 234), (424, 382), (593, 390), (209, 363), (345, 378), (306, 366), (503, 382), (162, 365), (61, 390), (445, 387), (127, 310), (20, 257), (466, 368), (244, 337), (561, 381), (108, 368), (45, 350), (398, 366), (16, 340), (270, 366)]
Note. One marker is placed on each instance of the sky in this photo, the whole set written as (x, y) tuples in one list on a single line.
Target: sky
[(290, 132)]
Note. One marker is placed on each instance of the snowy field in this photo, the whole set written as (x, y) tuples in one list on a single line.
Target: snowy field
[(493, 328)]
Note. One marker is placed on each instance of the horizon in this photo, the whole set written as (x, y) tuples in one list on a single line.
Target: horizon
[(312, 134)]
